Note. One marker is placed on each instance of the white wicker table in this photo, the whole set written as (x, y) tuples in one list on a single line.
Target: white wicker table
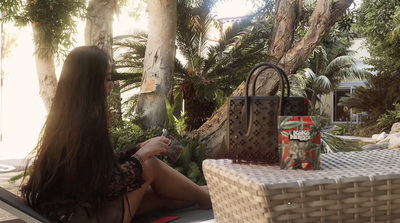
[(350, 187)]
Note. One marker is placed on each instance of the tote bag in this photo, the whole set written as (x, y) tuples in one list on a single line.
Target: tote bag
[(252, 134)]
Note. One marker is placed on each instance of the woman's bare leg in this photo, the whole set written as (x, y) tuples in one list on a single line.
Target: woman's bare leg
[(133, 202), (168, 184), (153, 202)]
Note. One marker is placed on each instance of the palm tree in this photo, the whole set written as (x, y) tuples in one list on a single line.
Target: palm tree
[(324, 75), (129, 53), (377, 97), (330, 64), (207, 66), (213, 67)]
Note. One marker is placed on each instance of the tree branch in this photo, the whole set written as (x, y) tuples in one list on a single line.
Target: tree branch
[(326, 13), (284, 28)]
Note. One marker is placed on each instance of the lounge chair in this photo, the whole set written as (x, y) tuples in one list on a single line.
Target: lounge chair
[(16, 206)]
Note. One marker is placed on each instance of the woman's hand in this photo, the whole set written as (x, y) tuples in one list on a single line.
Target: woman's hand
[(153, 146), (140, 145)]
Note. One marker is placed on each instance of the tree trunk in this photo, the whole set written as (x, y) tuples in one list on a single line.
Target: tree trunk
[(46, 72), (98, 30), (288, 55), (158, 62)]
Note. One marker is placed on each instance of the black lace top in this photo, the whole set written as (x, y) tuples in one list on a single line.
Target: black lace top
[(127, 178)]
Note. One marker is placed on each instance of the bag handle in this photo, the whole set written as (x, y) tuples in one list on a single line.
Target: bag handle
[(285, 78), (284, 81)]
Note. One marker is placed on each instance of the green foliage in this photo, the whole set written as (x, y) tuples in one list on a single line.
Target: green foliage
[(129, 133), (174, 125), (379, 95), (386, 120), (209, 67), (114, 105), (128, 53), (219, 98), (326, 68), (325, 117), (395, 34), (343, 129), (54, 24), (332, 143), (125, 134), (364, 129), (10, 9), (379, 24), (134, 8), (330, 63), (190, 161), (16, 177), (376, 23), (378, 98)]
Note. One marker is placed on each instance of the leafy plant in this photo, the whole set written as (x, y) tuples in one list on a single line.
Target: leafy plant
[(128, 51), (173, 124), (332, 143), (213, 67), (325, 74), (343, 129), (385, 121), (379, 95), (125, 135), (377, 22), (190, 161), (54, 24)]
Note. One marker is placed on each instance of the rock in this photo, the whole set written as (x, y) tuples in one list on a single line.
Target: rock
[(384, 145), (379, 137), (383, 140), (395, 128), (388, 137), (394, 142)]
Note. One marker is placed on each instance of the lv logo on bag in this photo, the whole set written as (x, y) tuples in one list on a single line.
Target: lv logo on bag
[(252, 134)]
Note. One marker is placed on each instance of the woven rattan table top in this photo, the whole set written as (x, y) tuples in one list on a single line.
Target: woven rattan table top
[(336, 168)]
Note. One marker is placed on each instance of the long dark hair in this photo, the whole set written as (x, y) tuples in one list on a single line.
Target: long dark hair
[(74, 159)]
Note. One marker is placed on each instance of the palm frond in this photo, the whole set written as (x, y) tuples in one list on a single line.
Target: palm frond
[(309, 74), (332, 143), (340, 62), (353, 73), (323, 83)]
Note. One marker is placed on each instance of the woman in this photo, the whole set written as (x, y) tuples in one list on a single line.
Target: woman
[(76, 177)]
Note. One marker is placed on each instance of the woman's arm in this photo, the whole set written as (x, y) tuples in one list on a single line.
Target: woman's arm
[(151, 147), (127, 178), (132, 175), (125, 154)]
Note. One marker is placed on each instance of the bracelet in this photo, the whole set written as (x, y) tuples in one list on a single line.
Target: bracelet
[(138, 158), (141, 162)]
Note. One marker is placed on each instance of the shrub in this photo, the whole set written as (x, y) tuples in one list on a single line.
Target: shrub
[(385, 121)]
